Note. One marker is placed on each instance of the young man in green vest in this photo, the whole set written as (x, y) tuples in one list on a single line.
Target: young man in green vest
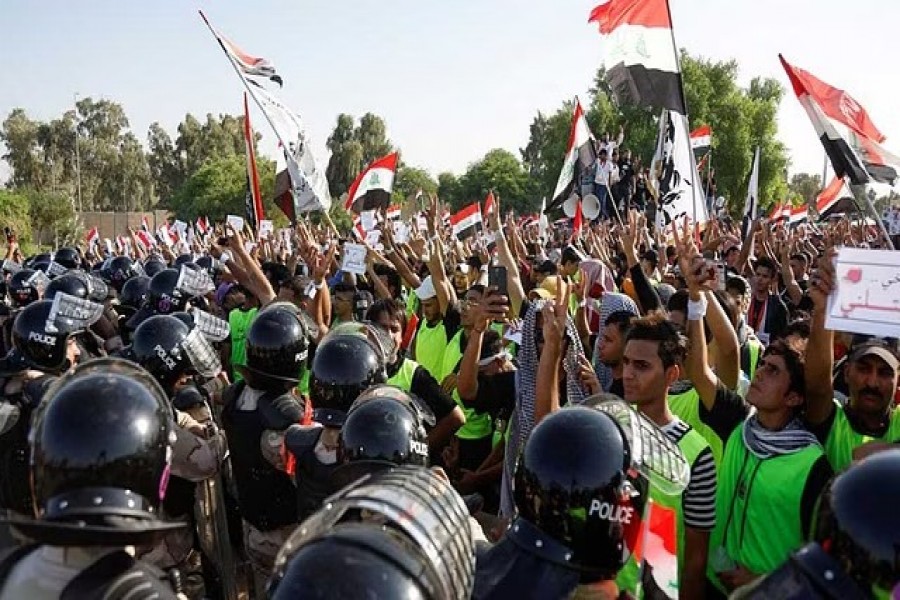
[(654, 349), (412, 378), (440, 322), (772, 469), (869, 422)]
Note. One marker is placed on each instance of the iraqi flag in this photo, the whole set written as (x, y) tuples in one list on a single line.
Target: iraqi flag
[(372, 189), (488, 204), (163, 235), (92, 237), (779, 211), (145, 224), (580, 157), (467, 221), (828, 200), (851, 140), (202, 226), (145, 239), (639, 53), (393, 212), (797, 214), (358, 230), (247, 64), (253, 206), (701, 139)]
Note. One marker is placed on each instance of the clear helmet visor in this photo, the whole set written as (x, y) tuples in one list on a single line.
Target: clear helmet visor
[(194, 282), (653, 454), (212, 327), (70, 314), (203, 357)]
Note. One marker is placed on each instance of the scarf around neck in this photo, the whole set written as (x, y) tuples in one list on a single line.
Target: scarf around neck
[(765, 443)]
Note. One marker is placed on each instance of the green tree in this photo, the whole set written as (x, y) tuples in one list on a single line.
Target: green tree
[(14, 214), (448, 189), (346, 159), (372, 136), (52, 215), (501, 171), (166, 168), (409, 180), (219, 188), (804, 188), (20, 135)]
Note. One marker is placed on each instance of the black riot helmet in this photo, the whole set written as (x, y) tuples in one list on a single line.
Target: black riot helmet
[(400, 533), (350, 359), (70, 283), (68, 257), (211, 265), (163, 295), (858, 524), (25, 287), (168, 349), (153, 265), (99, 474), (183, 259), (384, 427), (133, 295), (277, 347), (41, 330), (120, 269)]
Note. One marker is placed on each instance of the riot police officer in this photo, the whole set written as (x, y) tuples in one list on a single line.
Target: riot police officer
[(172, 353), (856, 535), (349, 360), (400, 533), (43, 348), (385, 427), (99, 476), (579, 506), (260, 406)]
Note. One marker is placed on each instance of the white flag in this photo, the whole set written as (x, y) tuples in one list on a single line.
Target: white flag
[(751, 204), (680, 187), (310, 187)]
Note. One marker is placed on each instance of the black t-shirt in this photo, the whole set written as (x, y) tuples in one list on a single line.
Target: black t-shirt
[(626, 173), (429, 390), (496, 395)]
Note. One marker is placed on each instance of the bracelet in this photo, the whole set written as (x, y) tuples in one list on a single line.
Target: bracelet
[(583, 304), (696, 310), (319, 286)]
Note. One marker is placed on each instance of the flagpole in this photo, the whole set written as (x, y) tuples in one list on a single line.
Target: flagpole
[(687, 129)]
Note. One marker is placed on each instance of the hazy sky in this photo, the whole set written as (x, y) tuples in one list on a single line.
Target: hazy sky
[(452, 79)]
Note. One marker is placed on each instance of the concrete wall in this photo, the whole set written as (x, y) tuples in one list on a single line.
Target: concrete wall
[(112, 224)]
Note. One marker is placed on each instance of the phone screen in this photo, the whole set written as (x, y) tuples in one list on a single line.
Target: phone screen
[(497, 279)]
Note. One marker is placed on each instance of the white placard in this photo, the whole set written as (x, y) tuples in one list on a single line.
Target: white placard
[(236, 222), (401, 233), (373, 237), (866, 298), (266, 227), (249, 246), (354, 259), (368, 220), (181, 228)]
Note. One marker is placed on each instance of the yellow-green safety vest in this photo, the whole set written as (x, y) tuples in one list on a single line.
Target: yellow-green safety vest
[(478, 425)]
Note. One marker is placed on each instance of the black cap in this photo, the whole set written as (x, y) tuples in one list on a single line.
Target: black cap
[(547, 267)]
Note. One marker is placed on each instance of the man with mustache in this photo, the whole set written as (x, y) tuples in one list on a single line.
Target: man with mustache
[(869, 422)]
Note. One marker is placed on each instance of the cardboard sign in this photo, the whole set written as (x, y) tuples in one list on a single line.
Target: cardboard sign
[(368, 219), (266, 227), (354, 259), (866, 298)]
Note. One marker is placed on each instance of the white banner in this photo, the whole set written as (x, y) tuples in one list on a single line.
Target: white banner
[(680, 187)]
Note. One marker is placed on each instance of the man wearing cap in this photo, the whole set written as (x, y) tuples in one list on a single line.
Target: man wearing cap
[(869, 422), (436, 329)]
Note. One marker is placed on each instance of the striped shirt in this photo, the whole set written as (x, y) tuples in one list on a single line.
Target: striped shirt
[(698, 502)]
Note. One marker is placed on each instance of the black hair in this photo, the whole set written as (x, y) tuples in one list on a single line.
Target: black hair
[(343, 286), (678, 301), (798, 327), (655, 327), (737, 283), (491, 344), (621, 319), (802, 257), (388, 306), (570, 254), (768, 263), (477, 287), (793, 361)]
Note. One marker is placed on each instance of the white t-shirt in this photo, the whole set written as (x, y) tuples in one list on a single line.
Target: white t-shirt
[(607, 173)]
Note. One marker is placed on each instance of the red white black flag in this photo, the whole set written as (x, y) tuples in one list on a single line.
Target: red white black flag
[(851, 140), (253, 206), (828, 199), (467, 221), (701, 139), (580, 156), (639, 53), (248, 64), (372, 189)]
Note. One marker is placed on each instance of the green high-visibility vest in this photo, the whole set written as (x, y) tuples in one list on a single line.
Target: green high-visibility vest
[(431, 342), (758, 504), (478, 425), (239, 323), (691, 444), (686, 406), (403, 378), (843, 439)]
